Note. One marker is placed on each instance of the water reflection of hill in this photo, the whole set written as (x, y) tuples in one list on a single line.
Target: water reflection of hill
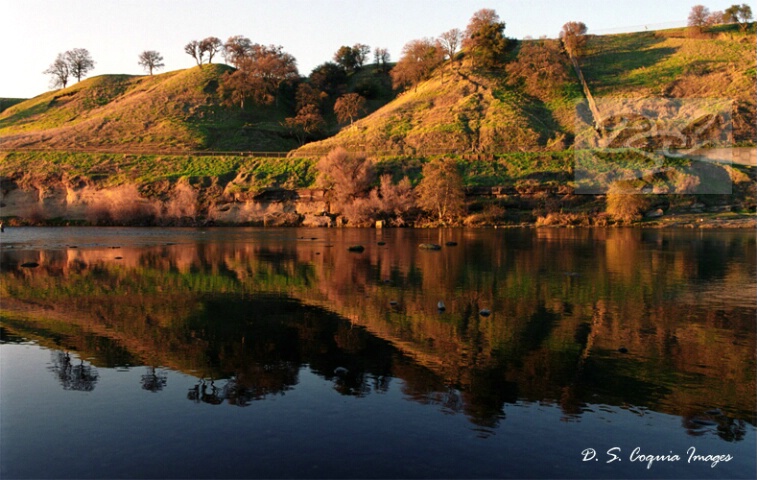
[(563, 303)]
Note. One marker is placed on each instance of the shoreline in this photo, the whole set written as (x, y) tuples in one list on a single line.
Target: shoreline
[(704, 221)]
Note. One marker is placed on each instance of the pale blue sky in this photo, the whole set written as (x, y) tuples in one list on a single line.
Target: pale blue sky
[(116, 31)]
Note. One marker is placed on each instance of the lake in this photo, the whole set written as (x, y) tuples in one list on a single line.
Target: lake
[(279, 353)]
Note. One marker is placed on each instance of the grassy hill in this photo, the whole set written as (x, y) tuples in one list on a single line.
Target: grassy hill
[(473, 111), (178, 110), (460, 110), (457, 110), (675, 63), (6, 103)]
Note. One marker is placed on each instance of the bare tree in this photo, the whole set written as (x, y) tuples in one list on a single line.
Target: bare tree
[(349, 106), (361, 52), (698, 16), (450, 41), (715, 18), (211, 46), (193, 50), (573, 36), (79, 62), (381, 58), (236, 48), (59, 71), (151, 60)]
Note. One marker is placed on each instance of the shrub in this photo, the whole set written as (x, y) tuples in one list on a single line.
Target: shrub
[(623, 205)]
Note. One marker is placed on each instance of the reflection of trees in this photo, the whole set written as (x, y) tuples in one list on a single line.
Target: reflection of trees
[(153, 380), (81, 377), (562, 304), (205, 392)]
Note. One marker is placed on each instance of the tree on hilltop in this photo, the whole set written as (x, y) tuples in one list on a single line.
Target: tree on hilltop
[(79, 62), (484, 38), (381, 58), (361, 54), (71, 63), (59, 71), (698, 16), (259, 75), (151, 60), (715, 18), (329, 77), (419, 58), (573, 36), (450, 41), (741, 14), (236, 48), (211, 46), (345, 57), (193, 50)]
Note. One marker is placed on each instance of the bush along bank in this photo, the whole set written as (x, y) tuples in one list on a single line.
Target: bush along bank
[(347, 189)]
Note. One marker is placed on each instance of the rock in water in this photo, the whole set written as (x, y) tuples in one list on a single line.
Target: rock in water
[(440, 306), (356, 248)]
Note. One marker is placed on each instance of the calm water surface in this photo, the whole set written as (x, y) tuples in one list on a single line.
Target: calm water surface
[(248, 353)]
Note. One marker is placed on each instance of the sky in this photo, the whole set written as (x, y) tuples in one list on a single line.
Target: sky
[(116, 31)]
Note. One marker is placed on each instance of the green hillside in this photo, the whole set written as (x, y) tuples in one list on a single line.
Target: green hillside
[(464, 110), (676, 64), (178, 110), (457, 110)]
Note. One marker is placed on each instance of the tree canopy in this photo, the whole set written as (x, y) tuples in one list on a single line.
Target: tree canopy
[(236, 48), (741, 14), (419, 58), (349, 106), (352, 58), (441, 192), (259, 75), (484, 39)]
